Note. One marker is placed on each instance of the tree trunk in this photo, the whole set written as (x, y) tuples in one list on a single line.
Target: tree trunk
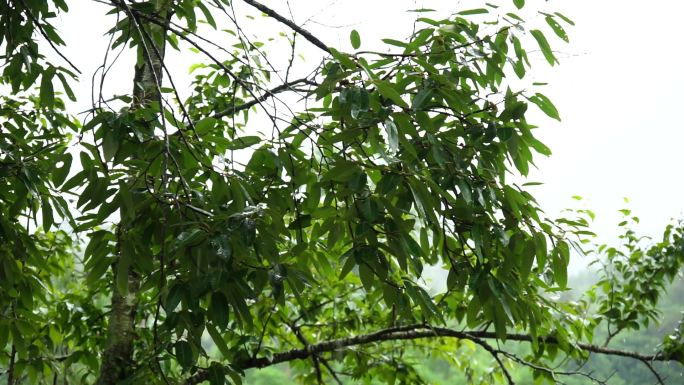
[(118, 356)]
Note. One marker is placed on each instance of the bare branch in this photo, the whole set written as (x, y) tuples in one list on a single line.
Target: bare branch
[(655, 373), (267, 94), (307, 35), (495, 353)]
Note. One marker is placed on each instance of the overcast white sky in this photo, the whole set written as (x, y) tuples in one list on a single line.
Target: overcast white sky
[(618, 88)]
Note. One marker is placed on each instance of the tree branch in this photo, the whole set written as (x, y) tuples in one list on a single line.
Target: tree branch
[(182, 34), (316, 358), (35, 21), (307, 35), (494, 353), (411, 332), (267, 94)]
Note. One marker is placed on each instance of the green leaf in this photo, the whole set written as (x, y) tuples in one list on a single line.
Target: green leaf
[(499, 321), (560, 264), (396, 43), (207, 15), (424, 201), (388, 183), (126, 199), (390, 294), (538, 146), (219, 310), (302, 222), (110, 144), (544, 46), (343, 59), (545, 105), (46, 211), (390, 93), (422, 97), (97, 269), (174, 296), (189, 237), (205, 125), (540, 250), (477, 11), (243, 142), (342, 171), (367, 276), (527, 259), (420, 40), (237, 378), (47, 92), (519, 3), (63, 210), (612, 313), (392, 136), (560, 32), (349, 263), (184, 354), (218, 340), (242, 310), (61, 4), (565, 18), (216, 374), (60, 173), (4, 332), (67, 88), (264, 163), (355, 39)]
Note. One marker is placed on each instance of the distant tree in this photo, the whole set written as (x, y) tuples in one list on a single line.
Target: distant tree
[(268, 220)]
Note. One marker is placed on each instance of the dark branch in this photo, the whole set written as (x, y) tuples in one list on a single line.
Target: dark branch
[(495, 353), (317, 359), (652, 370), (267, 94), (45, 35), (307, 35), (411, 333)]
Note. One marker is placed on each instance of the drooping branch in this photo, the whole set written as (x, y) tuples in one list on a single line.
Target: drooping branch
[(494, 353), (306, 34), (412, 332), (50, 42)]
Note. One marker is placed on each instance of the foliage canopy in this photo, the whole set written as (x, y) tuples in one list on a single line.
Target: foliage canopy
[(266, 220)]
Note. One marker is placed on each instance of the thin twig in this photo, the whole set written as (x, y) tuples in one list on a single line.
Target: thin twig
[(494, 353), (45, 35)]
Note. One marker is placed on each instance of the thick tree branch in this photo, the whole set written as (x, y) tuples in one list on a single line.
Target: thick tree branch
[(306, 34), (411, 332)]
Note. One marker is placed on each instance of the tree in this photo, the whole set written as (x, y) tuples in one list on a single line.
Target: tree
[(185, 245)]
